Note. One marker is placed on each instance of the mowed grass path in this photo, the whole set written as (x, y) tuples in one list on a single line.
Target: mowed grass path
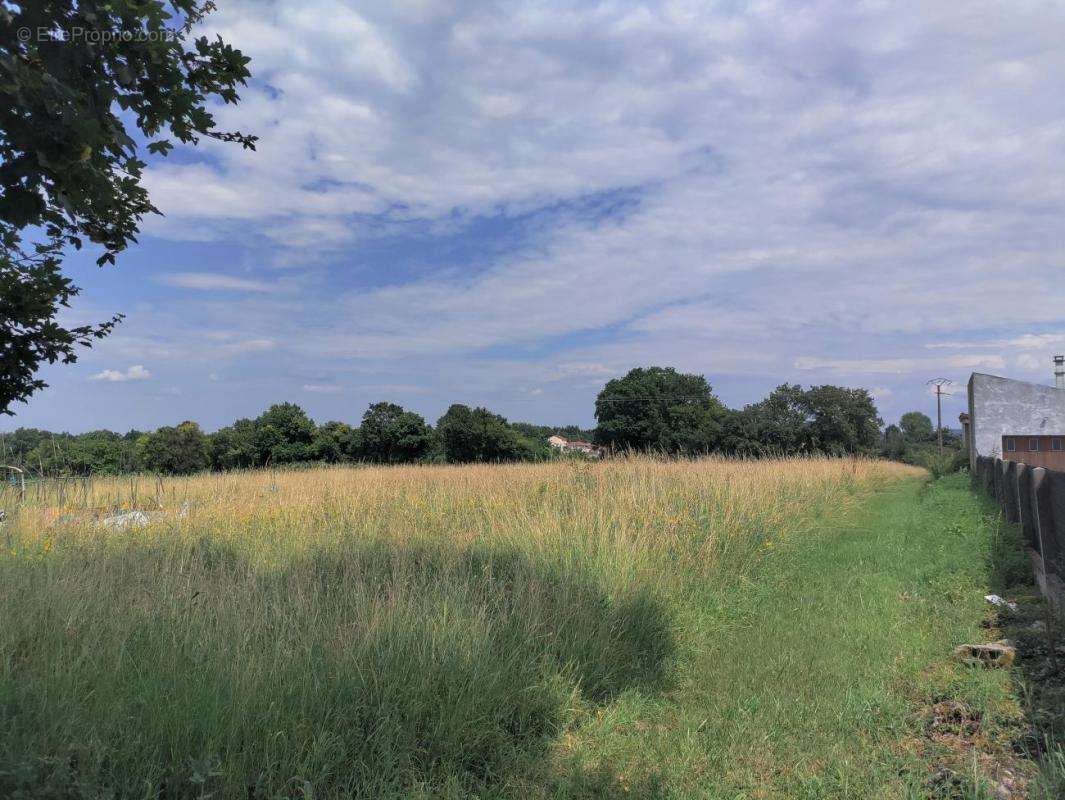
[(643, 630), (815, 675)]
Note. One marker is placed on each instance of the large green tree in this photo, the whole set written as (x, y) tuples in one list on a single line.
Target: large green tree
[(917, 427), (391, 435), (832, 420), (235, 446), (478, 435), (174, 451), (335, 442), (842, 420), (284, 435), (893, 444), (658, 409), (84, 86), (776, 426)]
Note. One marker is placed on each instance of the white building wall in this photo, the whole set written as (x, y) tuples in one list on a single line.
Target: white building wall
[(1003, 407)]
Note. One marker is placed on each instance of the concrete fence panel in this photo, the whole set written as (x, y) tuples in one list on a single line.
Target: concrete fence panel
[(997, 481), (1013, 511), (1042, 508), (1025, 513), (1054, 544), (1010, 491)]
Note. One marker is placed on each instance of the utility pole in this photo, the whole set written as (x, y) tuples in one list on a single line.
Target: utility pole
[(939, 383)]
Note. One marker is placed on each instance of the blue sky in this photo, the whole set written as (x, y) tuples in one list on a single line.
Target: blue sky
[(509, 203)]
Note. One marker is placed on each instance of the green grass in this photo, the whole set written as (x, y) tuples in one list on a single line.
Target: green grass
[(811, 675), (798, 666)]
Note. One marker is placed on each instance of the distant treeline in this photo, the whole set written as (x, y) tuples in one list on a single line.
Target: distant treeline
[(285, 435), (652, 409)]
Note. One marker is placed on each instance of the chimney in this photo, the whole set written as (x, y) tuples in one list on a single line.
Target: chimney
[(1059, 372)]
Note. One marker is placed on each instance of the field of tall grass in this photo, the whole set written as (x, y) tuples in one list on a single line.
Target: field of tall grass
[(524, 630)]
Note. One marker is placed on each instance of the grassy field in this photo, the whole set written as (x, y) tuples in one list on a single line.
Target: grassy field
[(707, 630)]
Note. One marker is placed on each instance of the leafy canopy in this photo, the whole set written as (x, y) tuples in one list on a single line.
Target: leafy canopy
[(917, 427), (84, 84), (827, 419), (391, 435), (661, 410), (478, 435), (174, 451)]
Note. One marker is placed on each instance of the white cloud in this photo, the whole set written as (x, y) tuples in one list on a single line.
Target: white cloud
[(808, 149), (248, 346), (470, 107), (135, 373), (899, 365), (1028, 341), (210, 282), (1031, 363), (322, 388)]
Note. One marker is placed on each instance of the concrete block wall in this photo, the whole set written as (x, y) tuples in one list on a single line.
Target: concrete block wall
[(1033, 497)]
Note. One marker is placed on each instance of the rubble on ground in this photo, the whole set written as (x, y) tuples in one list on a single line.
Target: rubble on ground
[(993, 654), (129, 519)]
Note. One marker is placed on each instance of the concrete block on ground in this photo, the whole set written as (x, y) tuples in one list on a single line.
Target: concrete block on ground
[(993, 654)]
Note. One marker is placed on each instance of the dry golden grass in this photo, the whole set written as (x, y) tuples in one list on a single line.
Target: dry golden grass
[(370, 631), (644, 504)]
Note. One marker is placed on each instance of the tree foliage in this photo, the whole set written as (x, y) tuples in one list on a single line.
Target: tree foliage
[(390, 435), (33, 290), (174, 451), (93, 453), (915, 441), (916, 427), (657, 409), (477, 435), (336, 442), (829, 420), (84, 85), (283, 435), (236, 446)]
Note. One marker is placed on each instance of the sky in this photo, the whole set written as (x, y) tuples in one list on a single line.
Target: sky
[(509, 203)]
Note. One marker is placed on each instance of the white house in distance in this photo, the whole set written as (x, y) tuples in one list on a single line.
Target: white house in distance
[(574, 446), (1016, 420)]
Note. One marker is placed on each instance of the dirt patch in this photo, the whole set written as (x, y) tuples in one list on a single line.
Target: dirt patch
[(968, 754), (953, 723)]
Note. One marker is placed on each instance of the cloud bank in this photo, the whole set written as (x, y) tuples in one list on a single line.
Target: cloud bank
[(502, 201)]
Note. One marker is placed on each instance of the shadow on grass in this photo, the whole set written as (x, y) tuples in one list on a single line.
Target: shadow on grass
[(387, 670)]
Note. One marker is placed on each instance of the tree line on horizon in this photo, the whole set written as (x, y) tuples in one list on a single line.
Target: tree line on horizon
[(653, 409)]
